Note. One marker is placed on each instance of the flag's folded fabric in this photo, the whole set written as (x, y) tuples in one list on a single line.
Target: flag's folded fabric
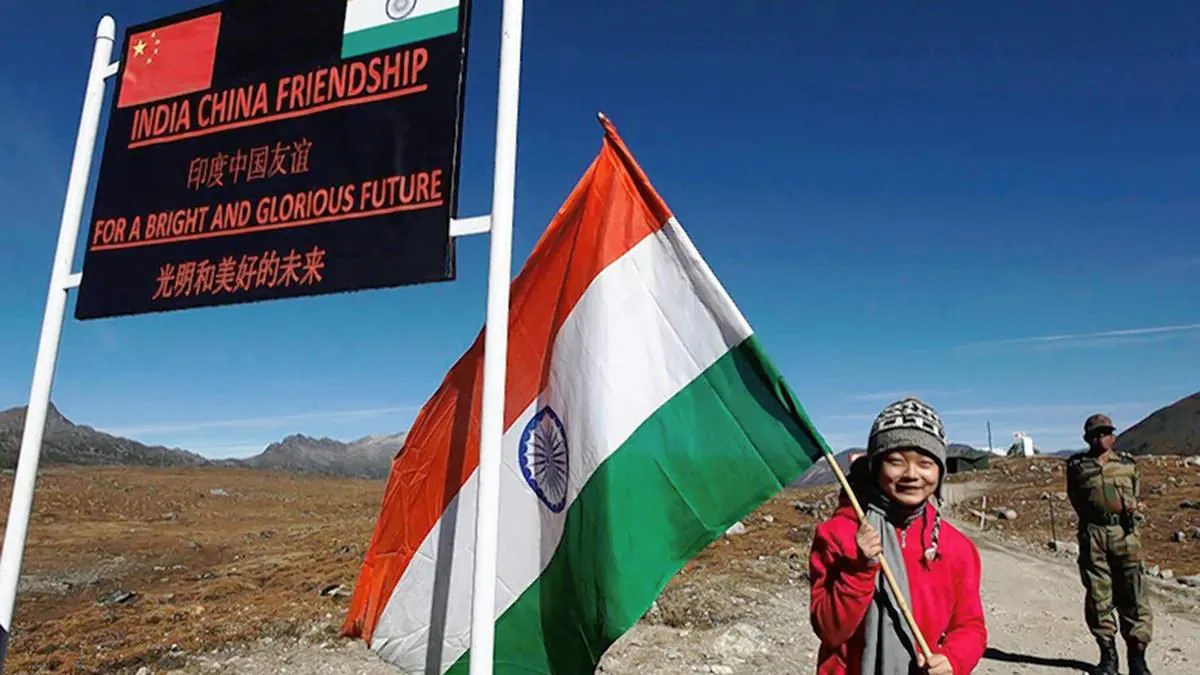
[(642, 419)]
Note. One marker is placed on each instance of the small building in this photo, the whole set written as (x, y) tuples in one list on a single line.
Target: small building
[(1022, 445), (974, 460)]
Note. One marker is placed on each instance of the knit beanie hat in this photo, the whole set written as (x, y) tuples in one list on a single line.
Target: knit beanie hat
[(908, 424), (911, 424)]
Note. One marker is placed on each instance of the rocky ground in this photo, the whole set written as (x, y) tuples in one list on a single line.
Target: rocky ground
[(753, 619), (130, 567), (1027, 505), (222, 571)]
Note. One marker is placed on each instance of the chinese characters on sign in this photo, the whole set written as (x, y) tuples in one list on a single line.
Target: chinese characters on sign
[(257, 163), (267, 270), (238, 169)]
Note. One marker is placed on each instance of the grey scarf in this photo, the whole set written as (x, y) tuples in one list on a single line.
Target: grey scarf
[(889, 646)]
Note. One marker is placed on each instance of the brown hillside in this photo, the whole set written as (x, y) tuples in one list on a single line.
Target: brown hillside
[(210, 555), (1173, 430), (1034, 489), (130, 567), (216, 556)]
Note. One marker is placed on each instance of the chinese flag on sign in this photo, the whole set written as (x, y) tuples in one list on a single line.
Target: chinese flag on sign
[(170, 61)]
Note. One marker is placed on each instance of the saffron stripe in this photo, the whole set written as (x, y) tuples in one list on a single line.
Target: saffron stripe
[(642, 332), (611, 209)]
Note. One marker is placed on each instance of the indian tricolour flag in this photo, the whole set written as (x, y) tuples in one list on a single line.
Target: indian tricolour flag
[(642, 419), (372, 25)]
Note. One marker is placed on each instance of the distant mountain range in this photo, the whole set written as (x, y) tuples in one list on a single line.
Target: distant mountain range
[(1172, 430), (822, 474), (369, 457), (68, 443)]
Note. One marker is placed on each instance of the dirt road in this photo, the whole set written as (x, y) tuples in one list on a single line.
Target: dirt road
[(1034, 610), (754, 620), (1034, 613)]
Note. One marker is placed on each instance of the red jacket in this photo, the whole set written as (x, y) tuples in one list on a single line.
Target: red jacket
[(945, 593)]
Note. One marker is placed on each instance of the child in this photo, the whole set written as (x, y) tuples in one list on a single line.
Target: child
[(853, 611)]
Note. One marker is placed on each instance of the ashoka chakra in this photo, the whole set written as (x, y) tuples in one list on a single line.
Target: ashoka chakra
[(542, 453)]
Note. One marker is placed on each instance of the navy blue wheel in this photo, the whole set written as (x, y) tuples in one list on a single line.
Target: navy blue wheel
[(542, 453)]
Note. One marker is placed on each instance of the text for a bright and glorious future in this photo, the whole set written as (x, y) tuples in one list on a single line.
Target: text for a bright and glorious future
[(346, 83), (410, 192), (192, 278)]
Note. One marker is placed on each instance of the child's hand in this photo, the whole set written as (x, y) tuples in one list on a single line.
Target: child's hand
[(870, 545), (938, 664)]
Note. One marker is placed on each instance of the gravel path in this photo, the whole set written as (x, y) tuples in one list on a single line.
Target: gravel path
[(742, 623), (1034, 608)]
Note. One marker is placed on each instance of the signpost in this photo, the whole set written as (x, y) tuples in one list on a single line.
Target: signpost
[(256, 152)]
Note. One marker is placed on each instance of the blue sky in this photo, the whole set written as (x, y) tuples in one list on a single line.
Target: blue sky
[(993, 205)]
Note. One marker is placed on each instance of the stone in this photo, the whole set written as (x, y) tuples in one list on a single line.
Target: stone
[(805, 507), (1192, 581), (737, 528), (1006, 514), (739, 640), (117, 598), (1069, 547), (1179, 537), (336, 591)]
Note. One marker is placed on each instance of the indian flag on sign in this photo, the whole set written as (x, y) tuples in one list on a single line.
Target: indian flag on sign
[(642, 419), (372, 25)]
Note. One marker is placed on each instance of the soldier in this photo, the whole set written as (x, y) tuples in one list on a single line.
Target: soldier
[(1104, 489)]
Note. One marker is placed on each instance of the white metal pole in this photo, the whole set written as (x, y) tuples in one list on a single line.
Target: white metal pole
[(495, 344), (47, 355)]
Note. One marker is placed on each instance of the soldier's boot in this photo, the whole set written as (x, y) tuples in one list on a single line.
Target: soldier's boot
[(1137, 660), (1109, 659)]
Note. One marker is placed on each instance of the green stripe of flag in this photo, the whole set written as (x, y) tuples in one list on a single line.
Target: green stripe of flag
[(401, 32), (717, 450)]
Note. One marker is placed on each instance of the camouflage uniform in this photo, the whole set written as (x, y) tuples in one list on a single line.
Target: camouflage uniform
[(1104, 490)]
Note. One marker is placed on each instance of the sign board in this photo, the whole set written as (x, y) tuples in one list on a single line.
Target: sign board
[(260, 149)]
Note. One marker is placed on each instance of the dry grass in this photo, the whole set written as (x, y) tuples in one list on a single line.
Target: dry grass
[(213, 555), (216, 569), (1035, 489), (224, 556)]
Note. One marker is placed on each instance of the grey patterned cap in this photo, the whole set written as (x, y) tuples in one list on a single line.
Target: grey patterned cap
[(908, 424)]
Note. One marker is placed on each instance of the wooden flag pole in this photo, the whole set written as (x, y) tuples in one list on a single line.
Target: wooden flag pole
[(883, 563)]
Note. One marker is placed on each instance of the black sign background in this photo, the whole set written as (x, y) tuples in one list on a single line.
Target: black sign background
[(263, 41)]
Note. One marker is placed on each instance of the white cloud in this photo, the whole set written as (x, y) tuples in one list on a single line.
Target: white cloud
[(1046, 409), (1106, 338), (255, 422), (889, 396), (1038, 410)]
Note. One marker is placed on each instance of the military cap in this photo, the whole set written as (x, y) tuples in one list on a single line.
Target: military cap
[(1096, 423)]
